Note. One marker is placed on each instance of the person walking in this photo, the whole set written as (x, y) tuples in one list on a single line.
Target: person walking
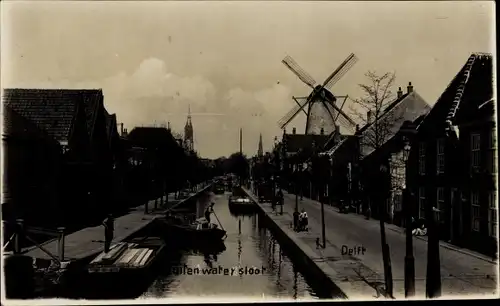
[(109, 229), (304, 220)]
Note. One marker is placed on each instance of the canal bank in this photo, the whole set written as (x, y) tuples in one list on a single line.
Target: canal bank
[(54, 270), (250, 264), (344, 275)]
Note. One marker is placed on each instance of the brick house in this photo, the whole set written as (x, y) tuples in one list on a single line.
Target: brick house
[(298, 149), (75, 119), (161, 160), (357, 160), (343, 158), (452, 164)]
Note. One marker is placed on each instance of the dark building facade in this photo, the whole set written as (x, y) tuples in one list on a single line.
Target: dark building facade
[(453, 160), (76, 120)]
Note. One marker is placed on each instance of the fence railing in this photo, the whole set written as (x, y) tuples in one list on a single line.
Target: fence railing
[(22, 231)]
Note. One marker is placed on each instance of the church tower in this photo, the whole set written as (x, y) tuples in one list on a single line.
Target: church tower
[(188, 132), (260, 151)]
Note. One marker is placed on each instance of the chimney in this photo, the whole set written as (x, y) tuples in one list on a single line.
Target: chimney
[(322, 132), (294, 131), (357, 128), (369, 116), (121, 128), (400, 92), (410, 88), (168, 125)]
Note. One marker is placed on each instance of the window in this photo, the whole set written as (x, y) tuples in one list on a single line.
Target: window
[(440, 156), (476, 211), (421, 202), (475, 150), (440, 204), (492, 153), (492, 215), (398, 200), (421, 158)]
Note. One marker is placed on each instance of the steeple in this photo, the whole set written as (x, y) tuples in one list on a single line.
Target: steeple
[(189, 116), (188, 132), (260, 151)]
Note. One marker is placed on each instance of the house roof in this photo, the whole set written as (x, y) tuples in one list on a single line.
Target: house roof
[(344, 140), (471, 87), (408, 107), (110, 124), (151, 136), (294, 142), (394, 144), (19, 127), (54, 110)]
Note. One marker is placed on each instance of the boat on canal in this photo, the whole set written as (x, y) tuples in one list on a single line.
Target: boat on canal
[(198, 231), (241, 205), (127, 262)]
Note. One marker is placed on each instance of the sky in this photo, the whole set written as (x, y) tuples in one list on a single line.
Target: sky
[(223, 59)]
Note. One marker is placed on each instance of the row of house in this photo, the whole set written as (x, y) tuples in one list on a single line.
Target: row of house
[(67, 162), (444, 155)]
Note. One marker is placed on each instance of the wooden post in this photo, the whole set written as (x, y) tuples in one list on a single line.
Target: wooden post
[(17, 238), (60, 244), (323, 231)]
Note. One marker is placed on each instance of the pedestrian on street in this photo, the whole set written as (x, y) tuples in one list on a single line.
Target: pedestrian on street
[(109, 229), (368, 213), (280, 197), (304, 220)]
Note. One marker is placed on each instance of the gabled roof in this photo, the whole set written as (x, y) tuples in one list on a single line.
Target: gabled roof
[(392, 145), (345, 140), (16, 126), (471, 87), (408, 107), (110, 124), (54, 110)]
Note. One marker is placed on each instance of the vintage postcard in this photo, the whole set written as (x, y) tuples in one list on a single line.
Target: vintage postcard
[(248, 151)]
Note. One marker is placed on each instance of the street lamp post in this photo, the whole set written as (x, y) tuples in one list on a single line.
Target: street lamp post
[(386, 255), (409, 259)]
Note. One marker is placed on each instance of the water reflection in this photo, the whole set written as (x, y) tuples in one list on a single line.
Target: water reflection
[(248, 244)]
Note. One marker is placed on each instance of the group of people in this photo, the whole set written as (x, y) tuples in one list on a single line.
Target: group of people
[(300, 221)]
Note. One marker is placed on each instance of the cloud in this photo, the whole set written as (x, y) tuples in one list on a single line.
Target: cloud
[(152, 94)]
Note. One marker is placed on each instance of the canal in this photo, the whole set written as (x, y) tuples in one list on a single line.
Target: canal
[(260, 268)]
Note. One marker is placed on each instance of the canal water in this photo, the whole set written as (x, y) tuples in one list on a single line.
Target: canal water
[(252, 265)]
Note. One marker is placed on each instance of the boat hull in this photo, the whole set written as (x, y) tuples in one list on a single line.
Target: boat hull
[(124, 281), (188, 234), (242, 209)]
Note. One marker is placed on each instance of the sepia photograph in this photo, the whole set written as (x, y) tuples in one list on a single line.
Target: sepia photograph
[(173, 151)]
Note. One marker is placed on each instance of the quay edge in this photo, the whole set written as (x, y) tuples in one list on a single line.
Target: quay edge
[(300, 255), (72, 270), (145, 228)]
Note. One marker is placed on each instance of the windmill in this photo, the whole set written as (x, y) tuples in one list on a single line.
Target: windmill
[(322, 112)]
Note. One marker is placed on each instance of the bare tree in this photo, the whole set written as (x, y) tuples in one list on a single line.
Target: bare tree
[(378, 96), (380, 127)]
